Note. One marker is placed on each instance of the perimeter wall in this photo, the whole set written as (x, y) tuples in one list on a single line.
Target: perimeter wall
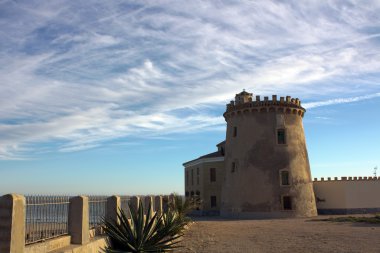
[(349, 195)]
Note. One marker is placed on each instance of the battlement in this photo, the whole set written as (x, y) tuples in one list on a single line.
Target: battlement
[(284, 104), (322, 179)]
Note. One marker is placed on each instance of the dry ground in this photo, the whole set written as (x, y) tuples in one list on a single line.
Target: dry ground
[(281, 235)]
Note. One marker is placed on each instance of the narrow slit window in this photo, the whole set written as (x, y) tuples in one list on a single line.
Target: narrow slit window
[(281, 138), (233, 167), (213, 201), (287, 202), (285, 177), (212, 175), (197, 176), (235, 132)]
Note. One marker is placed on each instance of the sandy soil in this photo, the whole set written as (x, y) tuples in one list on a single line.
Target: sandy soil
[(281, 235)]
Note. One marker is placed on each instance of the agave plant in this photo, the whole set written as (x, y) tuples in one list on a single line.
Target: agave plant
[(143, 233), (182, 208)]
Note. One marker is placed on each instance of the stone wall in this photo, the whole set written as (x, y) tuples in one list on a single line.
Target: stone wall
[(79, 238), (253, 189), (348, 195)]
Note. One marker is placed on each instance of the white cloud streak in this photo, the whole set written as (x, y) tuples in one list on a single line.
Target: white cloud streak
[(339, 101), (80, 74)]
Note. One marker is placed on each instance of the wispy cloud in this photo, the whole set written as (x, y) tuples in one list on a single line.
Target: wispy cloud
[(80, 74), (339, 101)]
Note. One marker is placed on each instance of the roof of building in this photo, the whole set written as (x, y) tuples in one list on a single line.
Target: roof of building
[(244, 93), (210, 155), (220, 143), (214, 154)]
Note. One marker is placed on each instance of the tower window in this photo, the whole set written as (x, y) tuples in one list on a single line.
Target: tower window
[(197, 176), (286, 202), (233, 167), (235, 132), (281, 136), (285, 177), (212, 175), (213, 201)]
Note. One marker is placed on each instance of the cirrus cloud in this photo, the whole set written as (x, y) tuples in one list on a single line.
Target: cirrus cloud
[(80, 74)]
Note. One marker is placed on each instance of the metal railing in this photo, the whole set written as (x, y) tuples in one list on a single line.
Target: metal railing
[(46, 217), (97, 206)]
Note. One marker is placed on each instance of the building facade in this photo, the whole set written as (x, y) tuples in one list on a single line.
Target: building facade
[(262, 168), (203, 179), (265, 170)]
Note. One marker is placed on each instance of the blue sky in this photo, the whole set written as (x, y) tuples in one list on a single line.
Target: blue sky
[(104, 97)]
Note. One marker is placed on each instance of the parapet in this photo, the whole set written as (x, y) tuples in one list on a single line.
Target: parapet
[(286, 104), (322, 179)]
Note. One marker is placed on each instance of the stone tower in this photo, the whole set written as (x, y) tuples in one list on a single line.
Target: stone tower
[(267, 171)]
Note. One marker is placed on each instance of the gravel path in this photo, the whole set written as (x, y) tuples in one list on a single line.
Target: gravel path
[(281, 235)]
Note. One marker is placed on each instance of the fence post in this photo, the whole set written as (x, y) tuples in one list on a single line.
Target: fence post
[(148, 200), (135, 202), (165, 203), (12, 223), (113, 209), (172, 199), (79, 227), (158, 204)]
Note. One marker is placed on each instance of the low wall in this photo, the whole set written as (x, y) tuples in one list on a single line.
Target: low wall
[(62, 245), (349, 195), (49, 245), (77, 238)]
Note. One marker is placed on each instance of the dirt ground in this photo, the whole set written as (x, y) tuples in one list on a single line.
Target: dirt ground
[(280, 235)]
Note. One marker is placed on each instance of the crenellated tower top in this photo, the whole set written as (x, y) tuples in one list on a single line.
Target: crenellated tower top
[(244, 102), (243, 97)]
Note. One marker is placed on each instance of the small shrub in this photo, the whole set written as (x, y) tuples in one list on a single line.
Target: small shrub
[(157, 233), (372, 220)]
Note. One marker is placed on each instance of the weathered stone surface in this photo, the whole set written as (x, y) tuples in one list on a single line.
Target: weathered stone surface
[(135, 202), (113, 208), (79, 220), (12, 218), (254, 187)]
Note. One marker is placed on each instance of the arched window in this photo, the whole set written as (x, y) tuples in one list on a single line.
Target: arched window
[(192, 194)]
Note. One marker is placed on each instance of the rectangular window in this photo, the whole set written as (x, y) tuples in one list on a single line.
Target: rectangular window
[(192, 177), (197, 176), (235, 132), (213, 201), (287, 202), (285, 177), (187, 177), (281, 136), (233, 167), (212, 175)]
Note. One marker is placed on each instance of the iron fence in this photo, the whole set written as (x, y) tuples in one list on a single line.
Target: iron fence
[(46, 217), (97, 211)]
